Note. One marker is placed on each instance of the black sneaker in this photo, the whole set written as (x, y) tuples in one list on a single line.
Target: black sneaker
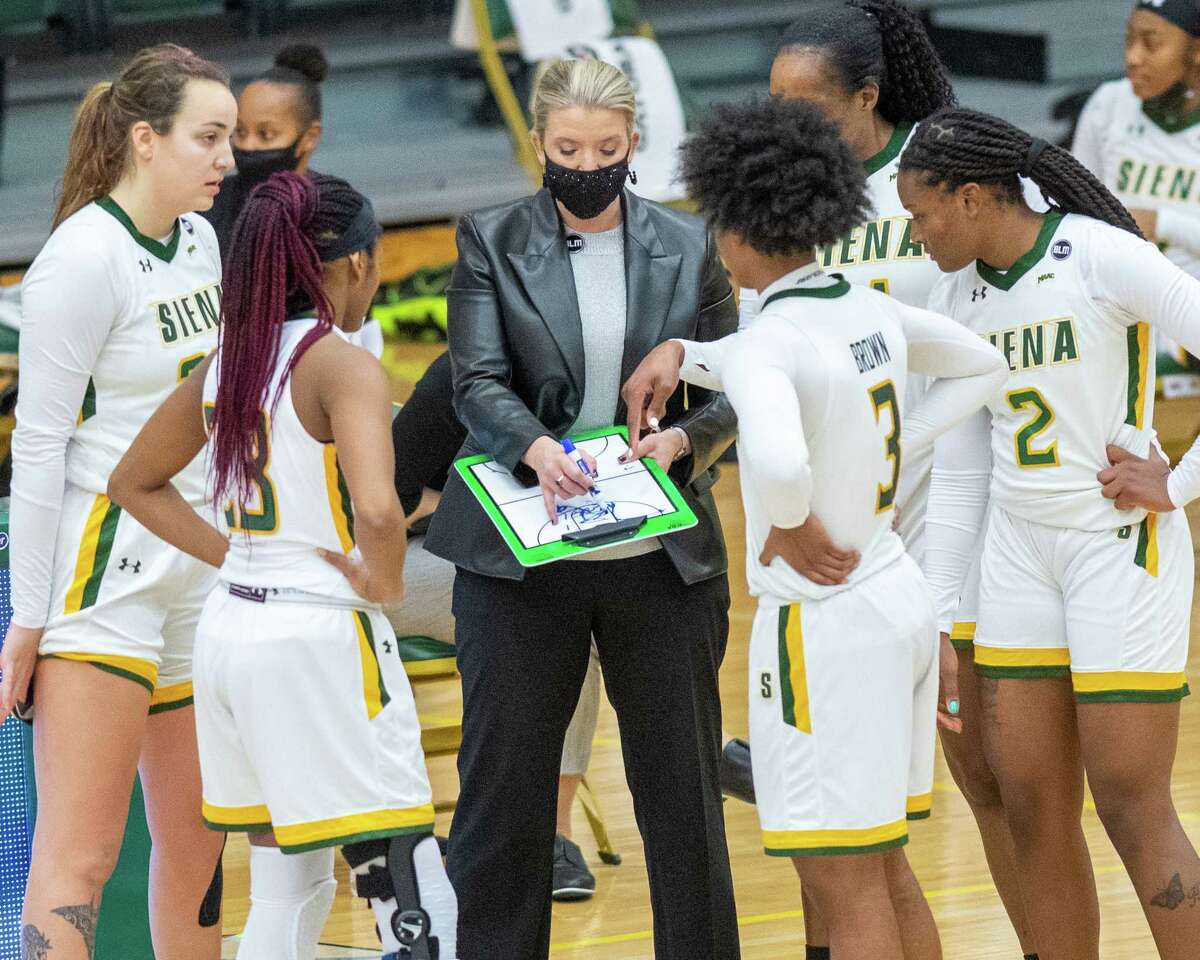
[(736, 779), (572, 879)]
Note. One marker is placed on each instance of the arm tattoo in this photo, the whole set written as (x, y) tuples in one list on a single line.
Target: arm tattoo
[(83, 918), (34, 945)]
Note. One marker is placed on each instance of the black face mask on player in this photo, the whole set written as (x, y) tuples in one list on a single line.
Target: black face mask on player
[(586, 193), (254, 166)]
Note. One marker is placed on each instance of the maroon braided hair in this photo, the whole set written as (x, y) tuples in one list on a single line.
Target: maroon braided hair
[(273, 266)]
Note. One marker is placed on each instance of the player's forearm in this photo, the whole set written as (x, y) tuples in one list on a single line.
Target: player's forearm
[(381, 535), (166, 514)]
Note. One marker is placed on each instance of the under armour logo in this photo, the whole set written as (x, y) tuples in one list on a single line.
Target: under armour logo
[(136, 566), (387, 646), (146, 266), (941, 132), (979, 294)]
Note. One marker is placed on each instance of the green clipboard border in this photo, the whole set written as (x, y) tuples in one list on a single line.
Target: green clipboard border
[(681, 519)]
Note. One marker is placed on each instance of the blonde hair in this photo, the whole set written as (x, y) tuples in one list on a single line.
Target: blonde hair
[(591, 84), (150, 88)]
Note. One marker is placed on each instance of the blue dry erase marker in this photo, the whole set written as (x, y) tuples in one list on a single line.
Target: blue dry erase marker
[(570, 451)]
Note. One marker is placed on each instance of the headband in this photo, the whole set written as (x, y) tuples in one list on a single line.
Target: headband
[(1182, 13), (1031, 156), (363, 231)]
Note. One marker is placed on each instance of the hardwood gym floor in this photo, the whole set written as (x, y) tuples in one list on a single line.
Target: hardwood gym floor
[(615, 925)]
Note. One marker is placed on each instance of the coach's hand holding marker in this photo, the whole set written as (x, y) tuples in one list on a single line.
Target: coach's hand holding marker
[(587, 469), (558, 474)]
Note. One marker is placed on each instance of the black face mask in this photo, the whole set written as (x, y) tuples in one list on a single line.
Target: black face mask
[(254, 166), (586, 193)]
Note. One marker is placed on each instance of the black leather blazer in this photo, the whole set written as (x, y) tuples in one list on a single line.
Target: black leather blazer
[(516, 345)]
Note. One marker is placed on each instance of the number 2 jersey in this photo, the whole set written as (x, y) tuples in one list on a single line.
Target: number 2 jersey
[(299, 501), (816, 383), (1075, 319)]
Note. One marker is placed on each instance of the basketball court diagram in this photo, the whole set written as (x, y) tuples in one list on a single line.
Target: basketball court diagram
[(623, 491)]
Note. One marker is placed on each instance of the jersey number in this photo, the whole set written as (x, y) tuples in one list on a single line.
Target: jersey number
[(881, 284), (1043, 416), (261, 516), (884, 395)]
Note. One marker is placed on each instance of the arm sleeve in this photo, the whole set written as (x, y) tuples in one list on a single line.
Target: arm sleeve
[(426, 435), (967, 369), (758, 381), (1088, 145), (1179, 228), (1135, 280), (479, 353), (709, 419), (958, 499), (68, 306), (748, 306)]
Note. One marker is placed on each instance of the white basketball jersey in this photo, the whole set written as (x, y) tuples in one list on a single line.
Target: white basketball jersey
[(847, 361), (1149, 163), (881, 254), (169, 301), (300, 501), (1080, 370)]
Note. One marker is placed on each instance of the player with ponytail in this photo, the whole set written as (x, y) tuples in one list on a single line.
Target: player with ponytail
[(1087, 569), (120, 304), (295, 684), (869, 66)]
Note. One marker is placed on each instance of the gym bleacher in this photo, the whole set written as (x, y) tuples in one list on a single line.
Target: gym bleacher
[(409, 118)]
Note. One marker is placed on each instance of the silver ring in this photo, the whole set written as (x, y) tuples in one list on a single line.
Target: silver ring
[(561, 477)]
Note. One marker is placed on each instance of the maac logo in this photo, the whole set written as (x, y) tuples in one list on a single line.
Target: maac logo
[(1044, 277), (1061, 249)]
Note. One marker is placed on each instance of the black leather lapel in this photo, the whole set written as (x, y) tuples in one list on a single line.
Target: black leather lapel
[(545, 272), (651, 275)]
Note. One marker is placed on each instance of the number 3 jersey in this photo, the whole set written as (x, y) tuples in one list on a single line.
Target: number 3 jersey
[(816, 383), (299, 501), (1075, 319)]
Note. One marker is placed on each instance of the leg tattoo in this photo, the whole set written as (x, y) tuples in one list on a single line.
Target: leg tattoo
[(83, 918), (34, 945), (1173, 895)]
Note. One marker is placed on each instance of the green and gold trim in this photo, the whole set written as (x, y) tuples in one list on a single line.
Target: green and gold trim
[(919, 807), (256, 819), (88, 409), (1006, 279), (1029, 663), (1129, 686), (839, 288), (1146, 553), (172, 697), (891, 151), (377, 825), (375, 693), (340, 507), (94, 550), (962, 635), (142, 672), (164, 251), (792, 676), (1137, 340), (833, 843)]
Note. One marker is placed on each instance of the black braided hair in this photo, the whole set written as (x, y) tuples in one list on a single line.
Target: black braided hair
[(776, 173), (877, 41), (954, 147), (302, 66)]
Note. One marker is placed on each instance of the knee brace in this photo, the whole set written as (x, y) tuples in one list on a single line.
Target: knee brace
[(385, 873), (290, 899)]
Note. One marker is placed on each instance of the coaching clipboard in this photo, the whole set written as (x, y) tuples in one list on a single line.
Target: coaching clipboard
[(633, 501)]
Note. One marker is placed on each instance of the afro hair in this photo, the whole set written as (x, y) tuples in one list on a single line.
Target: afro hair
[(776, 173)]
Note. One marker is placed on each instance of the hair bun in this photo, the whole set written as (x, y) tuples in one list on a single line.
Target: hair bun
[(304, 58)]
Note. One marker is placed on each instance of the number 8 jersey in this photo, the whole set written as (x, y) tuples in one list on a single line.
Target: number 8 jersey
[(299, 501), (1073, 318)]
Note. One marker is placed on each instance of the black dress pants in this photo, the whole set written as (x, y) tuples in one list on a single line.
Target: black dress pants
[(523, 649)]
